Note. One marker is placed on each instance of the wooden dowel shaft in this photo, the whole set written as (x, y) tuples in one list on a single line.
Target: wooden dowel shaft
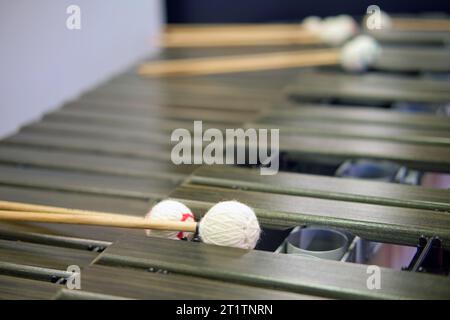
[(233, 38), (238, 35), (19, 206), (416, 24), (105, 221), (251, 62)]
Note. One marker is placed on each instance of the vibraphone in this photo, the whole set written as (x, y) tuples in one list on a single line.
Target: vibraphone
[(109, 151)]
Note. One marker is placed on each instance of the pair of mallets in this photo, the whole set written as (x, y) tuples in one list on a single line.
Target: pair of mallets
[(228, 223)]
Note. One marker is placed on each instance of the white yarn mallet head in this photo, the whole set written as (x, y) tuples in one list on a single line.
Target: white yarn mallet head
[(173, 211), (313, 24), (332, 30), (358, 54), (336, 30), (230, 223)]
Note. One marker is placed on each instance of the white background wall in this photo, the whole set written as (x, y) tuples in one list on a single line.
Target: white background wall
[(42, 63)]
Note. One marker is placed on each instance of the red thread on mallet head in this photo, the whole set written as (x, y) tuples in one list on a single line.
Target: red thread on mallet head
[(184, 217)]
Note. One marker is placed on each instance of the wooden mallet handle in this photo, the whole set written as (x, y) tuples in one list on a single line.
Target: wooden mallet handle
[(242, 63), (119, 221), (19, 206)]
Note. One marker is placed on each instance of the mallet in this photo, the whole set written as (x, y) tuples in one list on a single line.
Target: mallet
[(356, 55)]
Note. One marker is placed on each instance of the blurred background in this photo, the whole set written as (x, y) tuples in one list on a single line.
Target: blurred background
[(43, 63), (222, 11)]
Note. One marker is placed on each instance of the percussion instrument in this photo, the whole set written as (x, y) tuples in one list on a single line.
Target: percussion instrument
[(108, 151)]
